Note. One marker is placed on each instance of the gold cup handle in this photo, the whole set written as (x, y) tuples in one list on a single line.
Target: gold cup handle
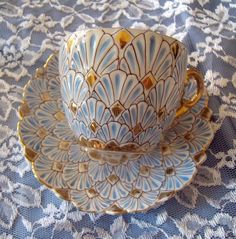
[(187, 104)]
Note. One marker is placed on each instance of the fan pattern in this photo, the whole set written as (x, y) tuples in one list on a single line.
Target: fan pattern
[(120, 88), (108, 181)]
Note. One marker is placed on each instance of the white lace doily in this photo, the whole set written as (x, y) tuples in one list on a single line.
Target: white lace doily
[(31, 30)]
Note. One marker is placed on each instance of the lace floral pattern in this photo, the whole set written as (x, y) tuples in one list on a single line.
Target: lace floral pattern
[(31, 30)]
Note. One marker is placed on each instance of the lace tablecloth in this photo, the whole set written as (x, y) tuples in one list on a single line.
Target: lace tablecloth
[(31, 30)]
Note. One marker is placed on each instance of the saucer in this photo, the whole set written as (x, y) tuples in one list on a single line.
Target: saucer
[(105, 182)]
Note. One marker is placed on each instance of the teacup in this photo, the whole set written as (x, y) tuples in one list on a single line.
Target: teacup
[(122, 88)]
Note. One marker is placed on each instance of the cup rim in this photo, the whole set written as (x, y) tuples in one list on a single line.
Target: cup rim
[(125, 28)]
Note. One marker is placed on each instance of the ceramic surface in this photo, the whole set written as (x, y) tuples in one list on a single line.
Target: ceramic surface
[(121, 87), (96, 181)]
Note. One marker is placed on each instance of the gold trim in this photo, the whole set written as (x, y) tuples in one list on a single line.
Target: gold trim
[(62, 193), (24, 110), (45, 66), (166, 195), (187, 104), (30, 154), (206, 113), (200, 157), (123, 37), (115, 210), (39, 72), (69, 43)]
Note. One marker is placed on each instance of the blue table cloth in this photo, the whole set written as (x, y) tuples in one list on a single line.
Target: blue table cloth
[(30, 30)]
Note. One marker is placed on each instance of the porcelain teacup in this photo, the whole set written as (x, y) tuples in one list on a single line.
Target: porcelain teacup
[(122, 88)]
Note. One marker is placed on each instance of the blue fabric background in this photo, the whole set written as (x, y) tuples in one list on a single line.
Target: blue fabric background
[(30, 30)]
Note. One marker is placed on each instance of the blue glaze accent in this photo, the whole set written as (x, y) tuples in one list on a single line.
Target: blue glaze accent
[(63, 92), (175, 160), (114, 127), (128, 177), (136, 93), (112, 67), (92, 109), (140, 49), (177, 183), (126, 204), (79, 114), (131, 58), (122, 191), (83, 92), (115, 195), (165, 65), (159, 90), (122, 132), (185, 178), (92, 46), (101, 92), (103, 47), (148, 114), (141, 108), (77, 59), (78, 82), (70, 83), (127, 137), (84, 129), (145, 185), (106, 132), (84, 109), (152, 47), (161, 53), (73, 66), (106, 116), (130, 83), (107, 59), (156, 183), (37, 146), (82, 51), (133, 112), (96, 174), (170, 183), (168, 163), (150, 119), (126, 116), (124, 67), (117, 84), (107, 85), (49, 178), (99, 112), (30, 89)]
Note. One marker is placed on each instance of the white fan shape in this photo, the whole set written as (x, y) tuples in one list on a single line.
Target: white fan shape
[(116, 132), (74, 88), (165, 95), (92, 115), (148, 52), (94, 50), (139, 117), (179, 72), (119, 88)]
